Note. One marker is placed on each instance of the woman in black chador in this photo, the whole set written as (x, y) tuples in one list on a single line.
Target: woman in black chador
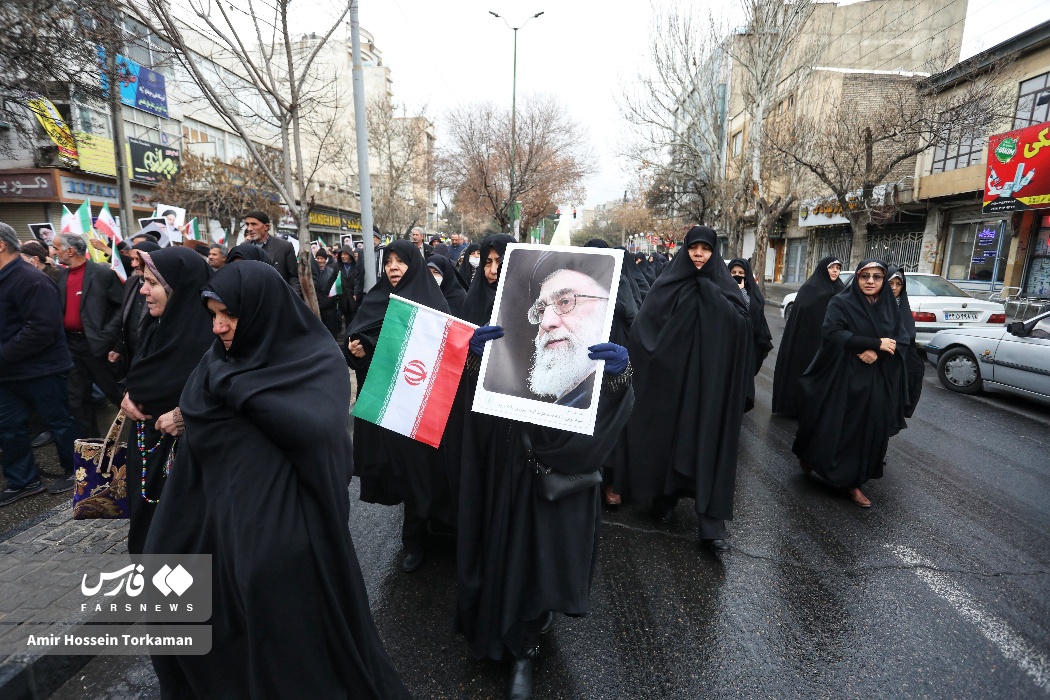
[(762, 339), (855, 392), (260, 484), (468, 267), (916, 365), (520, 557), (691, 350), (394, 468), (801, 339), (452, 286), (174, 337)]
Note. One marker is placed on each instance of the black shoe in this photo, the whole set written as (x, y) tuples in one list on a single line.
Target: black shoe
[(716, 546), (44, 438), (548, 622), (520, 687), (412, 561), (62, 485), (9, 496)]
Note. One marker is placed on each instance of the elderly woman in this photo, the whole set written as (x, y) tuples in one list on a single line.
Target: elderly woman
[(855, 392), (174, 337), (261, 486), (801, 338), (394, 468)]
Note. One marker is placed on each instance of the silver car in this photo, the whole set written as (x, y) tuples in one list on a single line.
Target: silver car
[(1015, 359)]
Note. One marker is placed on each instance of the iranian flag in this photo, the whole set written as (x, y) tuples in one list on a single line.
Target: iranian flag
[(115, 263), (337, 288), (415, 371), (192, 230), (107, 225)]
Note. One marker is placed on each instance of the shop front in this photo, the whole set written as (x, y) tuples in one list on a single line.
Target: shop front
[(329, 225)]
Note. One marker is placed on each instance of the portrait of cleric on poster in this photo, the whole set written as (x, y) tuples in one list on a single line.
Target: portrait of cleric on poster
[(553, 303)]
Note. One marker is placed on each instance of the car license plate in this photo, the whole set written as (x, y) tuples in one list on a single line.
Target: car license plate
[(961, 315)]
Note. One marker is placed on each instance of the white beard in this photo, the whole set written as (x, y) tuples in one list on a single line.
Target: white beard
[(555, 371)]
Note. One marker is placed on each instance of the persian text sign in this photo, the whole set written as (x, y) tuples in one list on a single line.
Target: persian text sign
[(152, 162), (1018, 172), (140, 87)]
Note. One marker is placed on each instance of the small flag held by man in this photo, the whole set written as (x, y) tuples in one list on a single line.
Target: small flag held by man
[(415, 371), (107, 225), (337, 288)]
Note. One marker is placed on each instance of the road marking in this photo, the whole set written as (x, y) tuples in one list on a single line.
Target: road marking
[(997, 631)]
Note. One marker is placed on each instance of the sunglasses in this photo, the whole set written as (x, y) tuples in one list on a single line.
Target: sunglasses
[(874, 277)]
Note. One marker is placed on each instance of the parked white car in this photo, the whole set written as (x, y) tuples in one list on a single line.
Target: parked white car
[(936, 305), (789, 301), (1015, 359)]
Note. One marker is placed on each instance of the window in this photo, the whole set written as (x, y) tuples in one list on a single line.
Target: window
[(1033, 102), (957, 150), (738, 143), (974, 252), (1037, 279)]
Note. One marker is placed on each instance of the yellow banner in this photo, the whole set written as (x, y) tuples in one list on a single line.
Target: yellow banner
[(56, 128)]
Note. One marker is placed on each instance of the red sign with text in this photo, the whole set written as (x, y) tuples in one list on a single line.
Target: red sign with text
[(1018, 171)]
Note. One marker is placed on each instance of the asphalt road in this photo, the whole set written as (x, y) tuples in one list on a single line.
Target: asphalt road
[(941, 589)]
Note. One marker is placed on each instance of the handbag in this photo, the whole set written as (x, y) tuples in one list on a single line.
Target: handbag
[(553, 485), (100, 468)]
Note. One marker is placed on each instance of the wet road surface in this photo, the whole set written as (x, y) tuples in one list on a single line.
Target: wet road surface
[(941, 589)]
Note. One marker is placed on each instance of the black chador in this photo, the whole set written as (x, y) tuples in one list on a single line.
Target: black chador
[(915, 363), (453, 288), (801, 338), (851, 408), (171, 346), (260, 483), (394, 468), (690, 347), (762, 339)]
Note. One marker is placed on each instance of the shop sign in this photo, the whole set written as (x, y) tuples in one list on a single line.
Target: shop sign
[(96, 154), (78, 189), (56, 128), (140, 87), (827, 211), (27, 186), (153, 163), (1018, 173), (330, 218)]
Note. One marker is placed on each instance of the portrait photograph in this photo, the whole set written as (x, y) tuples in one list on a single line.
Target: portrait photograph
[(554, 303), (45, 232)]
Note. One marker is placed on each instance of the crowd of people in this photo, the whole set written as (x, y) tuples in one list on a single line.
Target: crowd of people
[(211, 353)]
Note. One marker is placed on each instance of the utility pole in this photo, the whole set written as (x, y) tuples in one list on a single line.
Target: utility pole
[(120, 153), (361, 122)]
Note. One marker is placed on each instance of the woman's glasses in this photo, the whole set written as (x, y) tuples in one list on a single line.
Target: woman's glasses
[(873, 277), (563, 303)]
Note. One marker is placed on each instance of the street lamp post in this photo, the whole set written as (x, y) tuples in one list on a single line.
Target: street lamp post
[(514, 111)]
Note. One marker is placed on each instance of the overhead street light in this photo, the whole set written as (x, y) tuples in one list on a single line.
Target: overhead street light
[(514, 109)]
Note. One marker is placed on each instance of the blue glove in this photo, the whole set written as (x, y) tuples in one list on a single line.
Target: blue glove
[(483, 335), (615, 356)]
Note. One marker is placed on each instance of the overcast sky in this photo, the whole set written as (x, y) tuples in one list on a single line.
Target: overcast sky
[(444, 53)]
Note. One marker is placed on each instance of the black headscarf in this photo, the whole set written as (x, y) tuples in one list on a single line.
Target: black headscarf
[(477, 308), (172, 345), (640, 282), (801, 339), (690, 348), (261, 485), (850, 408), (763, 339), (248, 251), (641, 261), (627, 298), (465, 269), (146, 246), (913, 361), (453, 287)]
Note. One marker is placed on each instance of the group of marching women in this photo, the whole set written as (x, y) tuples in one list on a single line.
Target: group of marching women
[(233, 467)]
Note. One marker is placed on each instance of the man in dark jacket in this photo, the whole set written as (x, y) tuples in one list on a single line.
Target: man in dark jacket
[(34, 364), (349, 272), (257, 231), (328, 305), (91, 296)]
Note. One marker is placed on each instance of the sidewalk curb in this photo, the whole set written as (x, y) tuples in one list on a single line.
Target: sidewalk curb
[(32, 676)]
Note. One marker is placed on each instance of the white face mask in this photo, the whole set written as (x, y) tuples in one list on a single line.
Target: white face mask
[(474, 262), (438, 278)]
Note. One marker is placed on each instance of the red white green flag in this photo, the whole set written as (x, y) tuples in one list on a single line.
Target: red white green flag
[(107, 225), (115, 263), (192, 230), (337, 288), (415, 371)]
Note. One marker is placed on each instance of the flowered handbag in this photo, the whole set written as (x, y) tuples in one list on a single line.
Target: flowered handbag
[(101, 475)]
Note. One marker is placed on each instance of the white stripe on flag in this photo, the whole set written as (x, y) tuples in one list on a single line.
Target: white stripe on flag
[(424, 347)]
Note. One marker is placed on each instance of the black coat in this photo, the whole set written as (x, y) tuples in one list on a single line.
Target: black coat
[(283, 255), (801, 339), (916, 365), (101, 298), (850, 409), (762, 339), (690, 347), (261, 484), (32, 341)]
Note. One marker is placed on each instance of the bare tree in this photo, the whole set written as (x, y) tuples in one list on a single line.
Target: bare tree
[(274, 82), (675, 108), (857, 150), (552, 155), (402, 176), (769, 57)]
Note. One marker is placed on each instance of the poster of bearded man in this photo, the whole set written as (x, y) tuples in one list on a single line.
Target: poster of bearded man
[(553, 303)]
